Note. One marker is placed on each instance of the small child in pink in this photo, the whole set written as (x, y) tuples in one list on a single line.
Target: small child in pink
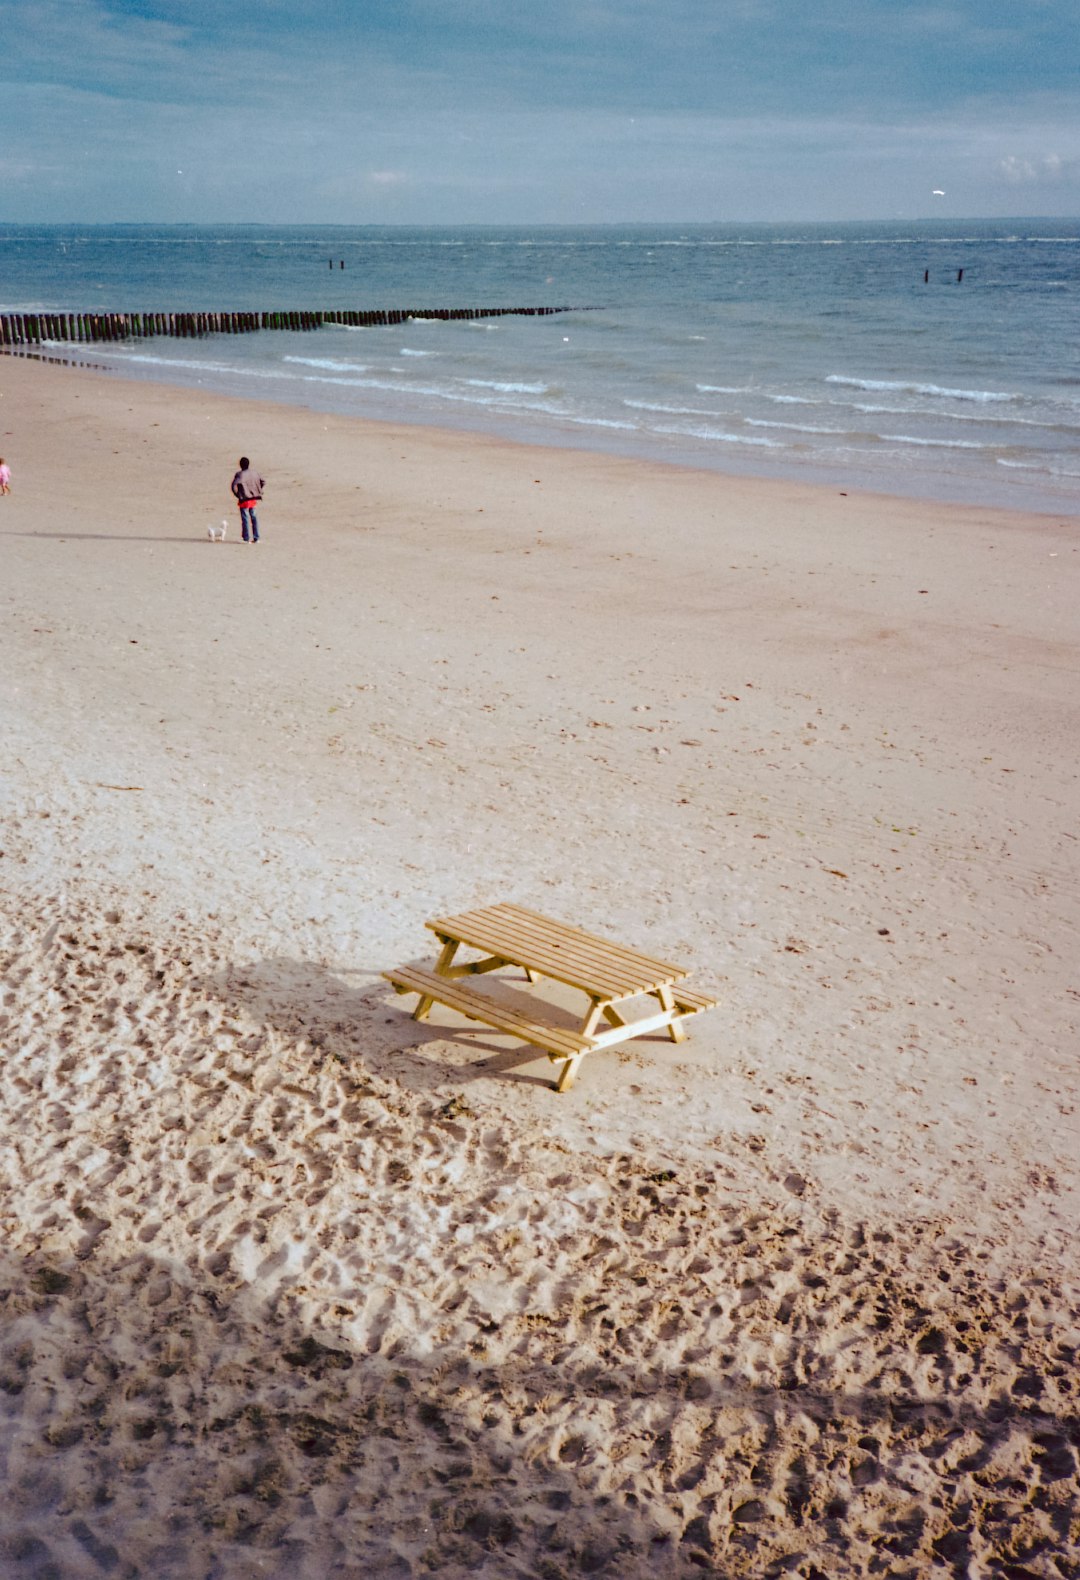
[(5, 477)]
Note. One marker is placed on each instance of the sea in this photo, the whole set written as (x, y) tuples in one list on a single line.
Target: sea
[(937, 359)]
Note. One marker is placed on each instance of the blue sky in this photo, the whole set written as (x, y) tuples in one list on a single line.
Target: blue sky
[(550, 111)]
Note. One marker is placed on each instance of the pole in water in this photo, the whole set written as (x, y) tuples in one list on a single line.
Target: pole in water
[(330, 261), (926, 277), (959, 275), (341, 265)]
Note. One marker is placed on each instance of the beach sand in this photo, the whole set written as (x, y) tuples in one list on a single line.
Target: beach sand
[(293, 1285)]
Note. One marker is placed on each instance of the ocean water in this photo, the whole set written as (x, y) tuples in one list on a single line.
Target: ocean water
[(815, 351)]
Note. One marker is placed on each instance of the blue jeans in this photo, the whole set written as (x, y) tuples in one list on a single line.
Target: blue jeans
[(246, 512)]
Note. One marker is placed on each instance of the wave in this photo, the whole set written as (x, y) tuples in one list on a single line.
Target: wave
[(602, 422), (759, 394), (1031, 466), (436, 392), (193, 363), (959, 416), (671, 411), (407, 352), (720, 436), (508, 388), (792, 427), (935, 444), (329, 364), (919, 389), (749, 389)]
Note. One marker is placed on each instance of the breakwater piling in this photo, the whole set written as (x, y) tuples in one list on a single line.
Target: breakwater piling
[(30, 329)]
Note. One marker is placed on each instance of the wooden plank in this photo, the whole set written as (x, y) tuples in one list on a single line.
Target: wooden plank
[(521, 950), (479, 1006), (606, 945), (612, 960), (633, 1028), (474, 968), (563, 953), (690, 1002), (617, 957)]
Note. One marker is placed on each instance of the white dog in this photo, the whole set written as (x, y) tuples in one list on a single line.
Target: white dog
[(213, 532)]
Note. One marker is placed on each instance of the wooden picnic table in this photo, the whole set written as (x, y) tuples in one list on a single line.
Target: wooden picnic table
[(609, 975)]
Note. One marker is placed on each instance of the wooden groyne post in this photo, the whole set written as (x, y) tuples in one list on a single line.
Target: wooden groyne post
[(34, 329)]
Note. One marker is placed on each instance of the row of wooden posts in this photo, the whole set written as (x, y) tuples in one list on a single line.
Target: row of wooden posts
[(23, 329)]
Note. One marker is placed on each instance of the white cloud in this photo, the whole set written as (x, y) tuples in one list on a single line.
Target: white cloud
[(1051, 168), (1017, 170)]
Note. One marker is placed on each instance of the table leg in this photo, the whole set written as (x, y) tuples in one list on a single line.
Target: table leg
[(568, 1072), (592, 1017), (588, 1026), (676, 1031), (446, 954)]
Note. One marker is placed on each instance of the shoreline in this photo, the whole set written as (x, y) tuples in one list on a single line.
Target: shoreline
[(647, 448), (804, 1284)]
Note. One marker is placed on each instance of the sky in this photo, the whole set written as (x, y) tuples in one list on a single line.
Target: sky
[(537, 111)]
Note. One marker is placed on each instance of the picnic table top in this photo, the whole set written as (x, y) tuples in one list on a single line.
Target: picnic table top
[(521, 937)]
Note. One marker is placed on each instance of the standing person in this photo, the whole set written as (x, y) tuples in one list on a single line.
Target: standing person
[(5, 477), (248, 487)]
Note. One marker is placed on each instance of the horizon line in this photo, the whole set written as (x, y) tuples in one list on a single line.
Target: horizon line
[(145, 224)]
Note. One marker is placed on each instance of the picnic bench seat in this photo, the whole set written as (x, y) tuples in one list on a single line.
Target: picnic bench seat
[(690, 1002), (609, 974), (482, 1007)]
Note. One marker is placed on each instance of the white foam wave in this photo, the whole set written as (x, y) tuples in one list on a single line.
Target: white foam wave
[(883, 411), (603, 422), (982, 418), (792, 427), (934, 444), (508, 388), (191, 363), (759, 394), (435, 392), (406, 351), (328, 363), (671, 411), (919, 389), (718, 436), (1030, 466)]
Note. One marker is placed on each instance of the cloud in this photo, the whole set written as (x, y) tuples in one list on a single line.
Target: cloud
[(562, 110), (1050, 168), (80, 40)]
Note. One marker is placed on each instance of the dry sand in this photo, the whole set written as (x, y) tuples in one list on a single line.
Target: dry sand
[(295, 1286)]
